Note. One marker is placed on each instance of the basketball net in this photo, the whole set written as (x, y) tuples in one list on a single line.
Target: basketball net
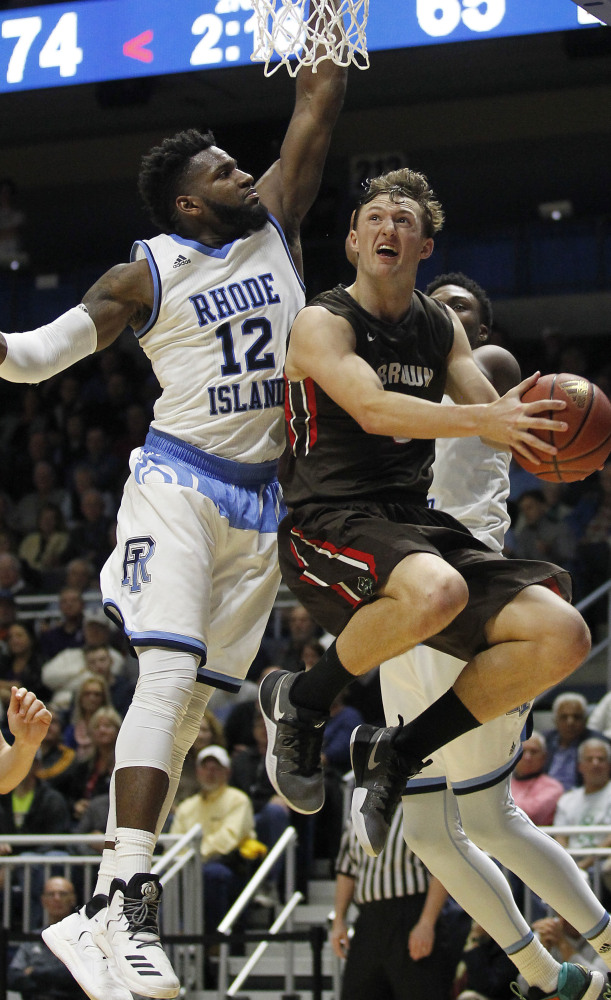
[(295, 33)]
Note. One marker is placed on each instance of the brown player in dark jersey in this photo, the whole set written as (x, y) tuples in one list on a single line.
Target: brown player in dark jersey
[(366, 368)]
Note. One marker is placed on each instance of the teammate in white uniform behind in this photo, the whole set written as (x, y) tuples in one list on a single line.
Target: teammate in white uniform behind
[(194, 575), (463, 798)]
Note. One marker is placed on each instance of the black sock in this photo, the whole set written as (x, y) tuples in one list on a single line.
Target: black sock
[(439, 724), (319, 686)]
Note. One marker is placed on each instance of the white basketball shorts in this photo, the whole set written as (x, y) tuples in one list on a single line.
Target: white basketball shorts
[(195, 566), (480, 758)]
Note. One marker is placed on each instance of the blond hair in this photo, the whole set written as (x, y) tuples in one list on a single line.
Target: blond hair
[(406, 183)]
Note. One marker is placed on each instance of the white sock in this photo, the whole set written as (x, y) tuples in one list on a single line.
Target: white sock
[(133, 851), (537, 966), (106, 872), (601, 943)]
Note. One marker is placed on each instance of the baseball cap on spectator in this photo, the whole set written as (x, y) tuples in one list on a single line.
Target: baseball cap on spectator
[(219, 754)]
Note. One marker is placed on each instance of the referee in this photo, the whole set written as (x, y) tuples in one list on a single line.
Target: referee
[(392, 955)]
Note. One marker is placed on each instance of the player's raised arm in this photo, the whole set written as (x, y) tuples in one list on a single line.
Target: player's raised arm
[(121, 297), (291, 184), (28, 721)]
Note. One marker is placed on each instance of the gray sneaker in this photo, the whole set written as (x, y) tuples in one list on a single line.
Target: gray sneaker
[(294, 744), (380, 775)]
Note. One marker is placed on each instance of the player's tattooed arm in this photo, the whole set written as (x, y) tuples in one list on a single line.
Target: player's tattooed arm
[(122, 297)]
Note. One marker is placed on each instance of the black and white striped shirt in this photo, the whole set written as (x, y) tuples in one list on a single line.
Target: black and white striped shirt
[(395, 872)]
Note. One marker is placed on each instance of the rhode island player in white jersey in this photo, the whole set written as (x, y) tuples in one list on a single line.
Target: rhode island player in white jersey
[(194, 575), (463, 798)]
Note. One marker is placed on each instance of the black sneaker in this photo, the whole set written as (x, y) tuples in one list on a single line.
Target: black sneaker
[(294, 744), (380, 775)]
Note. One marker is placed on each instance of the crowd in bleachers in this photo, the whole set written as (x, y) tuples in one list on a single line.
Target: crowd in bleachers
[(64, 448)]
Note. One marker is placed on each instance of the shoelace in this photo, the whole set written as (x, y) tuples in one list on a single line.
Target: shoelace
[(390, 791), (306, 742), (141, 915)]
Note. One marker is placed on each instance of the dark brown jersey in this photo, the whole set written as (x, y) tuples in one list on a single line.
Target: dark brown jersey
[(329, 457)]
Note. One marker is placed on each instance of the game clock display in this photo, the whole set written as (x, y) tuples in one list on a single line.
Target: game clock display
[(93, 40)]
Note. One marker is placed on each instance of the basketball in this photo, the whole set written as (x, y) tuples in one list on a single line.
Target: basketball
[(583, 448)]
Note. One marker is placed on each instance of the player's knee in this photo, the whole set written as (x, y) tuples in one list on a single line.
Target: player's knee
[(442, 601), (565, 642)]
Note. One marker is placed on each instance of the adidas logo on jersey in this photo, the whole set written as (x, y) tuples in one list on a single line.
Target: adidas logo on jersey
[(180, 261)]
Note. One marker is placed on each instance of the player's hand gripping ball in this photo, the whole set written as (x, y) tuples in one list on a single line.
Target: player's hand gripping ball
[(583, 448)]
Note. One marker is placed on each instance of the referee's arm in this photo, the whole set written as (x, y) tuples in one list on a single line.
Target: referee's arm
[(344, 891), (422, 935)]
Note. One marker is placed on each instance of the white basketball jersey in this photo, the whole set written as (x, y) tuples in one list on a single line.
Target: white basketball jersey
[(216, 339), (471, 482)]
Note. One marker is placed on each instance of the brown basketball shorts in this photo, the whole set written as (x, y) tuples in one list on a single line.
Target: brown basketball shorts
[(335, 558)]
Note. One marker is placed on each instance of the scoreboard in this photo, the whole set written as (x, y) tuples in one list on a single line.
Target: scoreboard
[(92, 40)]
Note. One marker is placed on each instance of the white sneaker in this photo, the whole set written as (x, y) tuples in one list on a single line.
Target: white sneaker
[(71, 939), (130, 936)]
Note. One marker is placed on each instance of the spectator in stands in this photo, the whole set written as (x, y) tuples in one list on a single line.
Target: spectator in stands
[(533, 790), (20, 664), (63, 674), (336, 743), (68, 633), (538, 536), (54, 757), (86, 779), (210, 733), (108, 472), (92, 695), (238, 726), (485, 971), (33, 807), (599, 718), (272, 815), (46, 490), (12, 581), (34, 971), (569, 711), (591, 523), (101, 662), (12, 220), (301, 628), (89, 536), (8, 617), (226, 818), (589, 805), (43, 550), (81, 575)]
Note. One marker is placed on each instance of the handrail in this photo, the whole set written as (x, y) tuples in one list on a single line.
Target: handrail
[(263, 945), (605, 588), (284, 843), (248, 892)]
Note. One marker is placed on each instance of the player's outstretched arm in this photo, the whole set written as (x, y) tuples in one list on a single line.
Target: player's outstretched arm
[(291, 184), (121, 297), (28, 721), (322, 346)]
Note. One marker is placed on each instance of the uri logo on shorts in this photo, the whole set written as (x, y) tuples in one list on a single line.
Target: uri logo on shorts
[(138, 551)]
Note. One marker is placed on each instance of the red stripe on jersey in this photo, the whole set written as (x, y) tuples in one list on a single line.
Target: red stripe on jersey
[(312, 418), (356, 554), (288, 412)]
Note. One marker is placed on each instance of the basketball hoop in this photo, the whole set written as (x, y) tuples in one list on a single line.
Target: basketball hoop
[(297, 33)]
